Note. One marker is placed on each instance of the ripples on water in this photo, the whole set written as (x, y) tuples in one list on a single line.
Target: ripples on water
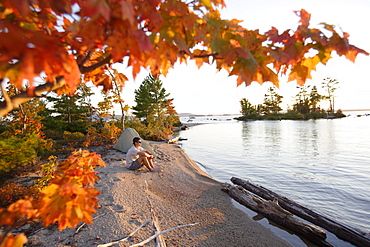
[(323, 164)]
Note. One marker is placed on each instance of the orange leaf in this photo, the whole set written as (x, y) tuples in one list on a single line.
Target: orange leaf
[(72, 74), (300, 73), (128, 12), (27, 69), (18, 209), (305, 17), (120, 78), (13, 241), (353, 52)]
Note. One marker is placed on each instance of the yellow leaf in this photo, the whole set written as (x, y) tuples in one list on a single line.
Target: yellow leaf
[(77, 212), (14, 241), (207, 3), (311, 63), (170, 33)]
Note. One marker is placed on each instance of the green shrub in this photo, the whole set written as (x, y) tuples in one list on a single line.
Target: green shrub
[(18, 151), (61, 126), (152, 130), (48, 172), (73, 136), (45, 148), (53, 134)]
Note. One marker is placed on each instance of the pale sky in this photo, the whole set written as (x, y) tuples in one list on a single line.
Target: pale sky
[(206, 91)]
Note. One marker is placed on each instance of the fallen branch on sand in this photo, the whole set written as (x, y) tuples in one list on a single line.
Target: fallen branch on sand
[(124, 239), (146, 240), (159, 233), (82, 225), (160, 241)]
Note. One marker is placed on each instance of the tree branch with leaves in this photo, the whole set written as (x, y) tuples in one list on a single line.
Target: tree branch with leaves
[(61, 40)]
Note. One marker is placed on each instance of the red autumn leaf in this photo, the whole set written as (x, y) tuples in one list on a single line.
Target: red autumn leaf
[(153, 35)]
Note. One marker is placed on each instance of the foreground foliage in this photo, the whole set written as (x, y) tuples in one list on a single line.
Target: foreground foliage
[(68, 199), (62, 40)]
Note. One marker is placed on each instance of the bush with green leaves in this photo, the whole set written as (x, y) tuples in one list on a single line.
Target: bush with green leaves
[(75, 136), (18, 151), (61, 125), (48, 172)]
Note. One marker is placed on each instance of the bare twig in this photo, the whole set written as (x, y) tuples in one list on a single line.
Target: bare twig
[(159, 233), (79, 228), (160, 241), (124, 239)]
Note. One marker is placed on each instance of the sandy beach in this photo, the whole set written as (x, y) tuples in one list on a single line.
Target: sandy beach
[(180, 194)]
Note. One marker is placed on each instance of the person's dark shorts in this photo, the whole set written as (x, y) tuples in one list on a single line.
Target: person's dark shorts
[(135, 165)]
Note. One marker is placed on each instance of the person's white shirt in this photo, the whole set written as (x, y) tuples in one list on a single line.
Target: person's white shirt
[(132, 155)]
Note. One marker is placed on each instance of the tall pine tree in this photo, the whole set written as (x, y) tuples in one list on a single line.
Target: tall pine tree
[(151, 98)]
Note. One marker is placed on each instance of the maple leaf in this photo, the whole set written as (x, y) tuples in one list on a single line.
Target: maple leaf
[(328, 27), (207, 3), (120, 78), (142, 40), (13, 241), (152, 35), (305, 17), (61, 202), (244, 68), (18, 7), (128, 12), (201, 57), (72, 73), (66, 199), (300, 73), (18, 209)]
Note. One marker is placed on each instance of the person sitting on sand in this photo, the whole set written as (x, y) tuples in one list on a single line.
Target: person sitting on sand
[(137, 156)]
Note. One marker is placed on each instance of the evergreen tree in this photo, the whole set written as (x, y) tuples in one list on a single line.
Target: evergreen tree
[(248, 110), (272, 101), (315, 99), (302, 104), (150, 98), (155, 109), (68, 112), (330, 85), (68, 107)]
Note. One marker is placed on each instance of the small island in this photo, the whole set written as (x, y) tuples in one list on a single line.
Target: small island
[(306, 106)]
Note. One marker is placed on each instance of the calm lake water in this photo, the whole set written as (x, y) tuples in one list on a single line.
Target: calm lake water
[(323, 164)]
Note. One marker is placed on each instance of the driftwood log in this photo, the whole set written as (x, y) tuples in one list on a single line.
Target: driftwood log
[(272, 210), (341, 230)]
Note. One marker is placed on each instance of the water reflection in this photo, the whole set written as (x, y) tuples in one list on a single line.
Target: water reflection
[(323, 164)]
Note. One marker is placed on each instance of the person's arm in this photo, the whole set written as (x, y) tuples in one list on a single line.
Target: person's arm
[(146, 154)]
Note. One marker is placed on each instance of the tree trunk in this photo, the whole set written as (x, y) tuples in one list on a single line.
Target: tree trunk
[(341, 230), (123, 121), (272, 211)]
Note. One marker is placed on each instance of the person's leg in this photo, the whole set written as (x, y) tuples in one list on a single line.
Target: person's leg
[(150, 160), (147, 164)]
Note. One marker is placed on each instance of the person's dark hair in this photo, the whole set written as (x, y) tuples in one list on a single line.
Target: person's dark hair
[(136, 139)]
